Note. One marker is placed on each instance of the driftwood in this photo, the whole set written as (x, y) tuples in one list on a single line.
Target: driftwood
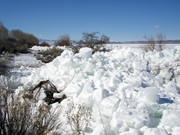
[(42, 83), (49, 90), (54, 100), (39, 85)]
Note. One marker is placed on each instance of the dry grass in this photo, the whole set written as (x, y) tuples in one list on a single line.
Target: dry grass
[(78, 117), (49, 55), (17, 117)]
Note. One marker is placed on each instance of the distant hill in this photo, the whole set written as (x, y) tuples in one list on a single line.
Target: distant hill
[(117, 42), (144, 42), (46, 40), (173, 41)]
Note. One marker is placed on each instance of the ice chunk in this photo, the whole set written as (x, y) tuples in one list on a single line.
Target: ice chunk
[(171, 87), (155, 131), (151, 95), (166, 74), (85, 52), (99, 130), (109, 105), (113, 83), (97, 77), (139, 66), (67, 63), (159, 55), (176, 131), (100, 94), (85, 98), (178, 80), (170, 118), (89, 69), (56, 62), (89, 87), (72, 90), (58, 95), (123, 129), (131, 117), (86, 95), (131, 132), (67, 54)]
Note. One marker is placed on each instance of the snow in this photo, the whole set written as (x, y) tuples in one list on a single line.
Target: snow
[(128, 91), (40, 48), (26, 60), (58, 95)]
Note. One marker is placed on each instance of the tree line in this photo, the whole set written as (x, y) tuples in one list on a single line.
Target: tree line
[(93, 40), (15, 40)]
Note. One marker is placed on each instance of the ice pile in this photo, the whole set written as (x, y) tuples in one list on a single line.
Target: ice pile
[(129, 92)]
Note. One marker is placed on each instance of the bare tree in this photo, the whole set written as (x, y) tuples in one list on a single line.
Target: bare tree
[(93, 41), (157, 43), (150, 43), (90, 39), (3, 32), (160, 41), (104, 39)]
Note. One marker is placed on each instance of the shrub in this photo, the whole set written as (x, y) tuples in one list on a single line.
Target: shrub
[(30, 39), (93, 41), (20, 49), (16, 35), (4, 64), (43, 44), (23, 38), (13, 47), (17, 117), (16, 41), (64, 40), (3, 32), (78, 117), (160, 41), (2, 46), (99, 48), (49, 55), (157, 43)]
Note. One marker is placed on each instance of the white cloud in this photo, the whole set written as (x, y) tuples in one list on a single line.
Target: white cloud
[(156, 26)]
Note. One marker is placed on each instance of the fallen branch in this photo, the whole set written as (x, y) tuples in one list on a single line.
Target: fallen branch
[(49, 89)]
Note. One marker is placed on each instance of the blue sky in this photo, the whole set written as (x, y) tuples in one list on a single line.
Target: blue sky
[(121, 20)]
